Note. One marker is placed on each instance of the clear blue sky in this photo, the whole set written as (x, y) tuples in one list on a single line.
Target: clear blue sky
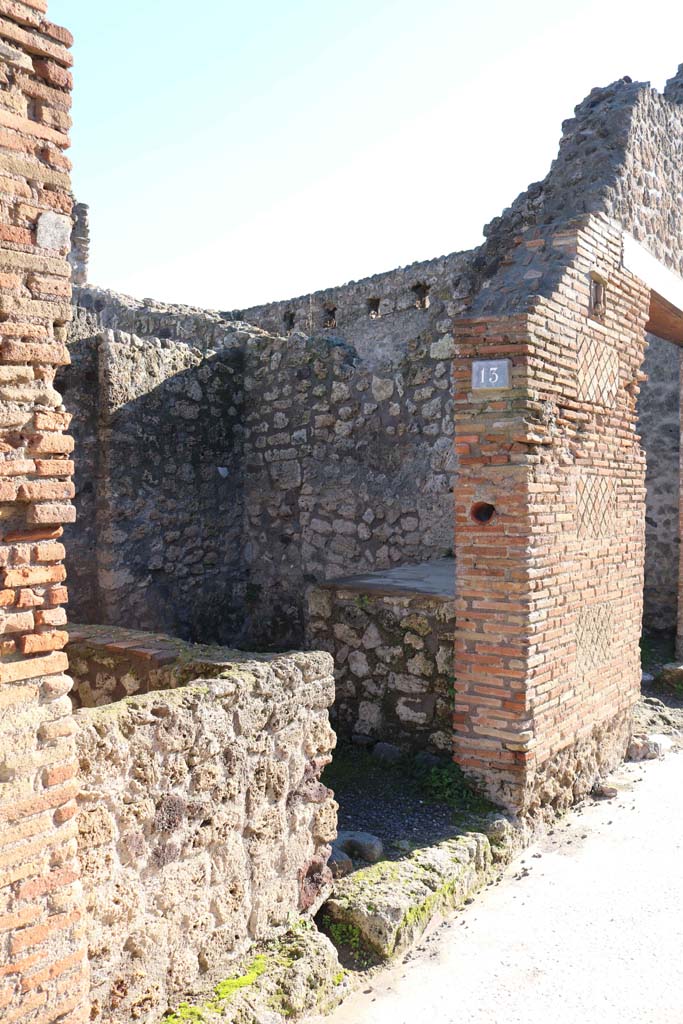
[(235, 152)]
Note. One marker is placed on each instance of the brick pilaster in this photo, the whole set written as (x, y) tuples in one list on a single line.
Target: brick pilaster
[(549, 588), (43, 970), (492, 574)]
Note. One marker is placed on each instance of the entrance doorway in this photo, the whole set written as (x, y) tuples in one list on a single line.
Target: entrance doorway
[(659, 428)]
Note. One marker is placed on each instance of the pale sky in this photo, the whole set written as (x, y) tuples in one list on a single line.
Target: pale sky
[(236, 153)]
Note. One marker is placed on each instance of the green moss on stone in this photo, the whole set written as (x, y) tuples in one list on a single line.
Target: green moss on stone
[(225, 989), (417, 918), (223, 993), (185, 1012)]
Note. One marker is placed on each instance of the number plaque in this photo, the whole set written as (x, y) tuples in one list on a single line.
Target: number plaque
[(490, 374)]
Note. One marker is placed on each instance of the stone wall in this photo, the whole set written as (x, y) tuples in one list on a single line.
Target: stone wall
[(380, 315), (159, 484), (362, 424), (96, 309), (348, 468), (222, 468), (659, 427), (43, 968), (393, 657), (203, 825)]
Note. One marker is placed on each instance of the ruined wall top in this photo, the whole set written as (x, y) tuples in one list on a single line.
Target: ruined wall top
[(363, 310), (621, 156), (80, 244), (673, 90)]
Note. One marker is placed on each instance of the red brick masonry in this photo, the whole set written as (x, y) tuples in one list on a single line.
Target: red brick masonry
[(549, 591), (43, 967)]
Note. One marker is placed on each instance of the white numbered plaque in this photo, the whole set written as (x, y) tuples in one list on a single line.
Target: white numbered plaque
[(490, 374)]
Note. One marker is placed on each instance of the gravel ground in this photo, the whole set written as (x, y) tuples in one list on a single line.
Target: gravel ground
[(660, 712), (404, 803), (397, 801)]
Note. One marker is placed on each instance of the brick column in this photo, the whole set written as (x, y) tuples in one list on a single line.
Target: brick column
[(43, 968), (550, 510)]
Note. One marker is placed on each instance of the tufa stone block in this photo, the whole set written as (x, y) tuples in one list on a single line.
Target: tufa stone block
[(53, 231)]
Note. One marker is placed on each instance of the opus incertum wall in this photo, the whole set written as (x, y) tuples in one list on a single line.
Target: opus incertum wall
[(43, 973)]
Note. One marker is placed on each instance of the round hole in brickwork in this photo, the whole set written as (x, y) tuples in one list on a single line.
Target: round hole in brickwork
[(481, 512)]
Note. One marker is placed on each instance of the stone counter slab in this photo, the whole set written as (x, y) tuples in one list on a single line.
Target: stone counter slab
[(435, 579)]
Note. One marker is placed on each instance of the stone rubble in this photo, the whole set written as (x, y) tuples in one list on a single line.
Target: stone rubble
[(360, 844)]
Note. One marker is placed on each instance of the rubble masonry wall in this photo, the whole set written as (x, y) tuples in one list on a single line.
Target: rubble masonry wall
[(393, 657), (223, 468)]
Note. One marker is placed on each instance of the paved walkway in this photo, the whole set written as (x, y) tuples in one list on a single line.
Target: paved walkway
[(592, 934)]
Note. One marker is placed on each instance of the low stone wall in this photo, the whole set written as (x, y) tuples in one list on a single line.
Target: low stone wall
[(393, 655), (203, 824)]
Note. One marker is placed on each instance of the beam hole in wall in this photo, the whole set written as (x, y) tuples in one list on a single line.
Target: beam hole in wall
[(330, 316), (421, 295), (288, 320), (597, 303), (373, 309), (482, 512)]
